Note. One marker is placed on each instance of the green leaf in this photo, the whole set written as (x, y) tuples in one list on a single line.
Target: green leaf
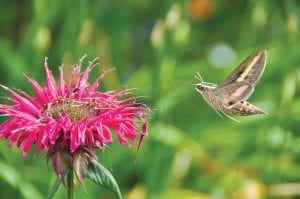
[(102, 177), (54, 189)]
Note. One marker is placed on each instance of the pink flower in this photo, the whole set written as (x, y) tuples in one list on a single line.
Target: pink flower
[(71, 115)]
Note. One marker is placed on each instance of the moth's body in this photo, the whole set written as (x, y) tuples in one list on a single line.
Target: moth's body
[(212, 97), (231, 95)]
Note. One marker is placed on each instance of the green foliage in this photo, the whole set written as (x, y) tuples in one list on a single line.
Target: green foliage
[(102, 177), (156, 46), (54, 189)]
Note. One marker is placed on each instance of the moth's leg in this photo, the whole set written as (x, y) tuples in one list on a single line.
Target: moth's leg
[(231, 117), (220, 108), (218, 112)]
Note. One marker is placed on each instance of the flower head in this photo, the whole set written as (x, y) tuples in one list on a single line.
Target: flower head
[(71, 115)]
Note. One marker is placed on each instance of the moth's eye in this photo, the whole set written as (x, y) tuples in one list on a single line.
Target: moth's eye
[(199, 87)]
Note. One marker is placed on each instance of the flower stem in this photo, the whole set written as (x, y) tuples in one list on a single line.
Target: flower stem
[(70, 184)]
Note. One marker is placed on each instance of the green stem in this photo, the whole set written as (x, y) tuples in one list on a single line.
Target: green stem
[(70, 184)]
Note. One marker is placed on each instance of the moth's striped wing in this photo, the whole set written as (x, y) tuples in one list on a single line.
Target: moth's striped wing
[(231, 94), (249, 71)]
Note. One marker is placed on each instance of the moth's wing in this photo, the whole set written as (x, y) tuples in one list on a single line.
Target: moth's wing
[(250, 70), (231, 94)]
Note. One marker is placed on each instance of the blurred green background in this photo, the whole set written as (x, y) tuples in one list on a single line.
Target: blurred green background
[(190, 152)]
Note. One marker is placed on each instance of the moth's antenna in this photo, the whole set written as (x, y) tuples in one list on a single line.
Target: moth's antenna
[(198, 76)]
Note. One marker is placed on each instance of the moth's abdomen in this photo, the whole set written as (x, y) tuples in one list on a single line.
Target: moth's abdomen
[(244, 108)]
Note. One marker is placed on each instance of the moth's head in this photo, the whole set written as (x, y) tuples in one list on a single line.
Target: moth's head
[(200, 87), (204, 86)]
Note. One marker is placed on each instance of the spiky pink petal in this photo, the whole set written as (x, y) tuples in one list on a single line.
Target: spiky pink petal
[(50, 88)]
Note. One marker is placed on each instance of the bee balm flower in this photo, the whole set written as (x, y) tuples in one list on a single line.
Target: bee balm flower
[(71, 116)]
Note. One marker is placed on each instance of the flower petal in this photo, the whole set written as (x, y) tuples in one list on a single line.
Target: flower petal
[(50, 89)]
